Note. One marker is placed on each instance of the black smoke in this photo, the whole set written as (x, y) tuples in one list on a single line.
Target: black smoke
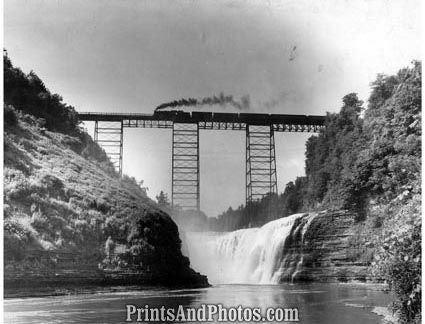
[(221, 100)]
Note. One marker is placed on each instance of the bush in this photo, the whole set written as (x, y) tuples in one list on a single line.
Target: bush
[(14, 247), (377, 221), (16, 238), (39, 221), (399, 258), (16, 185), (10, 118), (52, 185)]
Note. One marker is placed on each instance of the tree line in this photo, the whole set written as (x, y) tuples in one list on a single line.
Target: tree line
[(26, 96), (362, 155)]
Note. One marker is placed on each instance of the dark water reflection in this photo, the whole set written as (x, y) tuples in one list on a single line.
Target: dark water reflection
[(317, 303)]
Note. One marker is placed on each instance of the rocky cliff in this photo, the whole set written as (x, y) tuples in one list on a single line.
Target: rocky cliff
[(328, 246)]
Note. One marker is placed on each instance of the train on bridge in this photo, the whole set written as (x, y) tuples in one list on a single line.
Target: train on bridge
[(248, 118), (179, 116)]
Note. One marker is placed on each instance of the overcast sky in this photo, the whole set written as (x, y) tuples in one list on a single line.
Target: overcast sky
[(288, 56)]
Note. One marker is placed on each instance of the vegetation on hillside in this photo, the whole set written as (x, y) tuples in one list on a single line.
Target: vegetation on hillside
[(61, 194), (367, 161), (362, 155), (27, 94)]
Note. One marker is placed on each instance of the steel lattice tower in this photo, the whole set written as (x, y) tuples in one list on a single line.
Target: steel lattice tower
[(261, 178), (185, 166), (109, 136)]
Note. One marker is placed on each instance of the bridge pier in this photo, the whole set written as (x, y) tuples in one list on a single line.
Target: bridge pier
[(109, 136), (261, 176), (185, 189)]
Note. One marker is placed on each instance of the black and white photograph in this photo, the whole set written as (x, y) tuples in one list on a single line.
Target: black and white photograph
[(218, 161)]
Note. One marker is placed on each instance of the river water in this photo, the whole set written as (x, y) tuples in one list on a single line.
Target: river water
[(316, 303), (244, 267)]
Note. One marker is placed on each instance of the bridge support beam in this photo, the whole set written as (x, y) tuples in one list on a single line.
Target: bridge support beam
[(261, 177), (185, 166), (109, 136)]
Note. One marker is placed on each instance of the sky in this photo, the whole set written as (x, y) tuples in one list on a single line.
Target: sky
[(288, 56)]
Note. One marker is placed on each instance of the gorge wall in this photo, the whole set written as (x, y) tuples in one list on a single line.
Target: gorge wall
[(66, 209), (327, 247), (64, 213)]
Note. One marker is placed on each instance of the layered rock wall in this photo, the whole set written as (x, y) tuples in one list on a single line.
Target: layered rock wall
[(326, 247)]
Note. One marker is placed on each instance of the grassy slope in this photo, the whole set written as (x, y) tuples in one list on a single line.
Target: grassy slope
[(56, 199)]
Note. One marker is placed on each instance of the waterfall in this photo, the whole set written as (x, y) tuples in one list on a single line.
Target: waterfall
[(250, 256)]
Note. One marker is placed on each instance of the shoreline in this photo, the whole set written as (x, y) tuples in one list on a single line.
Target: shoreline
[(71, 282), (33, 292), (75, 289)]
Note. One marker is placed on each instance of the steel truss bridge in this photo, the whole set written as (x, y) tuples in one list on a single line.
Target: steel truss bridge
[(261, 176)]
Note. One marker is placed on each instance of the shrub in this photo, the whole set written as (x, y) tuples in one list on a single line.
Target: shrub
[(399, 259), (103, 205), (16, 238), (27, 144), (16, 185), (52, 185), (14, 247), (10, 118), (39, 221), (377, 221), (109, 247)]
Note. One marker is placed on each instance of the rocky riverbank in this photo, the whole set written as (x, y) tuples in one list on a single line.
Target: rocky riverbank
[(51, 281)]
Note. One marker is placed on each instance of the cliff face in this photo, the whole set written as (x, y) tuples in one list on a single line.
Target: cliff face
[(328, 246), (64, 212)]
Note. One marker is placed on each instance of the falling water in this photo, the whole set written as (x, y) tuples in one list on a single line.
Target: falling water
[(252, 256), (304, 228)]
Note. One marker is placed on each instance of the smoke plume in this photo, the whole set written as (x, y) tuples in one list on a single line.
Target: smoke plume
[(221, 100)]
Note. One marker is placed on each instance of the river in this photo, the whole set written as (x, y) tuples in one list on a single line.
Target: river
[(316, 303), (244, 267)]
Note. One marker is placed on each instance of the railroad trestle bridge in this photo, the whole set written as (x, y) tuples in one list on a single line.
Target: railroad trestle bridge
[(261, 175)]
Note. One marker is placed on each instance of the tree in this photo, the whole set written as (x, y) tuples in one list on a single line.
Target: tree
[(162, 199), (109, 247)]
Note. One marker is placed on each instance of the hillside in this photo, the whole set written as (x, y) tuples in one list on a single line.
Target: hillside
[(366, 161), (65, 208), (356, 159)]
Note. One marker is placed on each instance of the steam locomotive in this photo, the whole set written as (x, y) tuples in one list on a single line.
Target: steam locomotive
[(236, 117)]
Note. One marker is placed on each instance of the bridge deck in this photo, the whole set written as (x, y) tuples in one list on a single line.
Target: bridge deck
[(210, 120), (198, 116)]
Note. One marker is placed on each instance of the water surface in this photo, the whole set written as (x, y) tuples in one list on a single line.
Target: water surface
[(317, 303)]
